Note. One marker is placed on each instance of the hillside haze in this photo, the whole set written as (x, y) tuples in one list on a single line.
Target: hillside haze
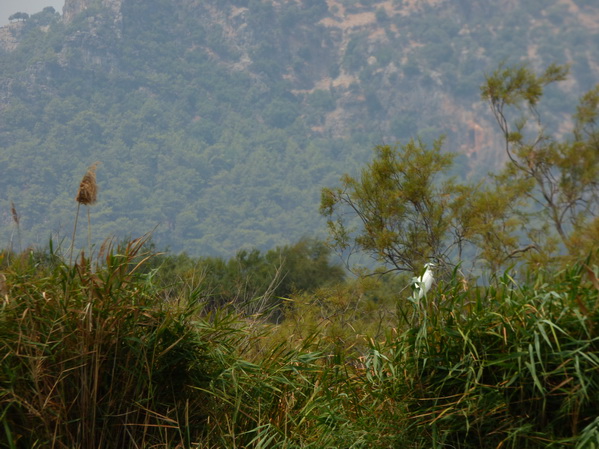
[(217, 122)]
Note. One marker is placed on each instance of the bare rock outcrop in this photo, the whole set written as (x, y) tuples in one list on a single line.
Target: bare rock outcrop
[(74, 7)]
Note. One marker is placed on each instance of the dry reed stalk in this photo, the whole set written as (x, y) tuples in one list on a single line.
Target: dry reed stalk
[(15, 216), (17, 221), (3, 288)]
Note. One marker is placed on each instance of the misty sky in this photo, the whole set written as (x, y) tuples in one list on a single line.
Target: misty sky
[(9, 7)]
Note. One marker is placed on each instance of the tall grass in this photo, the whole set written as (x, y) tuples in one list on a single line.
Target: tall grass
[(94, 356), (513, 366), (91, 359)]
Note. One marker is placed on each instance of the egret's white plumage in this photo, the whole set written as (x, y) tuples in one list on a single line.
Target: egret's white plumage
[(422, 284)]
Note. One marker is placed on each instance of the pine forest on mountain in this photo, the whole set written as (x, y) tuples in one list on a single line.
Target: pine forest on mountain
[(217, 124)]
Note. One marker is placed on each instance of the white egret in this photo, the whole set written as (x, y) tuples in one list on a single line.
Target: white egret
[(422, 284)]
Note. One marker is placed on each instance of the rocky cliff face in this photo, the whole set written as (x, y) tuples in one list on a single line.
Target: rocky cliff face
[(74, 7), (9, 36)]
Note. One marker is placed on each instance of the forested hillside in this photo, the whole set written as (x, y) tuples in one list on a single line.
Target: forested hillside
[(218, 122)]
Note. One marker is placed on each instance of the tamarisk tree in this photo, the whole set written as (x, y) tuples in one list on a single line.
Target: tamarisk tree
[(556, 179), (400, 210), (543, 205)]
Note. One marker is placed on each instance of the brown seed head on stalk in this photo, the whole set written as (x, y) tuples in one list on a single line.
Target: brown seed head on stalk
[(13, 211), (88, 189)]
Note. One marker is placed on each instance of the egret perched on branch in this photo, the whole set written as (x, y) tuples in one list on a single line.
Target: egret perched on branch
[(422, 284)]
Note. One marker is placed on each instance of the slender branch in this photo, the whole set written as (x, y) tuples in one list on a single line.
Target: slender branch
[(521, 250)]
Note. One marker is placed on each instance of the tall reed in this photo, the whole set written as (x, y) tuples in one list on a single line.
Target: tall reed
[(16, 219), (87, 195), (512, 366), (92, 358)]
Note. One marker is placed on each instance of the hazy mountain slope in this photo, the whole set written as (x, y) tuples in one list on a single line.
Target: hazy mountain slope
[(218, 121)]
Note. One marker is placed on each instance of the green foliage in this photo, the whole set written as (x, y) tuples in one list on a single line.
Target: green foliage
[(557, 178), (281, 113), (403, 207), (251, 281), (180, 351), (513, 366), (92, 358), (545, 202), (163, 114), (286, 399), (95, 355), (19, 16), (512, 86)]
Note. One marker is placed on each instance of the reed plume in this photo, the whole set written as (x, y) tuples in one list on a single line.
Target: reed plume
[(88, 189), (86, 195)]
